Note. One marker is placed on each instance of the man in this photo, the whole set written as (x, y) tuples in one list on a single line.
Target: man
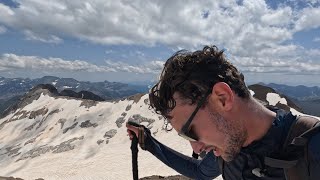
[(205, 99)]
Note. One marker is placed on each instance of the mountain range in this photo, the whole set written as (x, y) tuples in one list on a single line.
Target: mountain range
[(48, 135), (307, 98), (12, 89), (300, 92)]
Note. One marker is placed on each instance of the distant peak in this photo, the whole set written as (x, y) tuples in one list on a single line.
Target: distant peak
[(48, 87), (32, 95)]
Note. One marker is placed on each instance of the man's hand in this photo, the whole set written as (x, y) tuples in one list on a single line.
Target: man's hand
[(132, 130), (136, 131)]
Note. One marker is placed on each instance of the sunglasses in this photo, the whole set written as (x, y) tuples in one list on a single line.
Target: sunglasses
[(185, 130)]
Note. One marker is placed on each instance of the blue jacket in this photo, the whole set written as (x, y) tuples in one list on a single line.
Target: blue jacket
[(249, 158)]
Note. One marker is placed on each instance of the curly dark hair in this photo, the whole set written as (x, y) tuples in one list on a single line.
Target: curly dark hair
[(192, 74)]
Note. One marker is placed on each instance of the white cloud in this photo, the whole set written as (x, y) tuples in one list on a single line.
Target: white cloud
[(314, 53), (251, 30), (280, 17), (153, 67), (5, 11), (313, 2), (2, 29), (109, 51), (271, 65), (308, 19), (42, 38), (252, 25), (12, 62), (317, 39), (178, 23)]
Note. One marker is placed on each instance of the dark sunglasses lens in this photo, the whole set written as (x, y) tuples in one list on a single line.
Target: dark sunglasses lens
[(189, 138)]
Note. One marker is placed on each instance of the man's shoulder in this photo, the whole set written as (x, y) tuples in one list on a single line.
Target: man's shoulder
[(314, 146), (311, 132)]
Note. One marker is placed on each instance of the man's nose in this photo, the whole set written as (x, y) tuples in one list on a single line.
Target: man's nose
[(197, 146)]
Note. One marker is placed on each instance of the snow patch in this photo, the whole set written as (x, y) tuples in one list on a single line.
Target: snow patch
[(251, 92), (67, 87), (274, 98)]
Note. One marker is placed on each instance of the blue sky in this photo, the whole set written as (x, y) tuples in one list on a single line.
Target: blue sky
[(128, 41)]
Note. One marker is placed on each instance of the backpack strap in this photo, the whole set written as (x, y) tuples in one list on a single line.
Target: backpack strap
[(278, 163), (301, 130), (303, 139)]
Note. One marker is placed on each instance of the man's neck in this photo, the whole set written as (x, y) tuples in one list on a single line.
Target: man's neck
[(257, 120)]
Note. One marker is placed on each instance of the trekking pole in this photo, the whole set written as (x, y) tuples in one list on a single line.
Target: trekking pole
[(134, 151)]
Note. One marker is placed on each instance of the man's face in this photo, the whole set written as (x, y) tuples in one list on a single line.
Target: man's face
[(211, 130)]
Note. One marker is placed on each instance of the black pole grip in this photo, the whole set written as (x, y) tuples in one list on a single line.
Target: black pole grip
[(134, 151)]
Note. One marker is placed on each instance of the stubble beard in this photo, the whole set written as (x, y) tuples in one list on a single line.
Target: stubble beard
[(235, 136)]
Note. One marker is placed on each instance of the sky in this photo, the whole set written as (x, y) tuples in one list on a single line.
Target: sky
[(274, 41)]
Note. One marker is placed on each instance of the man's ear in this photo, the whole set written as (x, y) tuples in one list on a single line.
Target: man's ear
[(222, 96)]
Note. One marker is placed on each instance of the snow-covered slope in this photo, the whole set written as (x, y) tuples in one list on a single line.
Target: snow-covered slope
[(60, 138), (54, 137)]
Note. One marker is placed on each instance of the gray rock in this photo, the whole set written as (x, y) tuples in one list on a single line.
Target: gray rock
[(10, 178), (45, 118), (100, 141), (40, 123), (139, 119), (62, 147), (62, 121), (38, 112), (53, 112), (109, 134), (136, 98), (30, 141), (88, 124), (20, 115), (154, 133), (12, 150), (120, 121), (88, 103), (17, 116), (146, 101), (128, 107), (71, 127), (31, 126), (35, 152)]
